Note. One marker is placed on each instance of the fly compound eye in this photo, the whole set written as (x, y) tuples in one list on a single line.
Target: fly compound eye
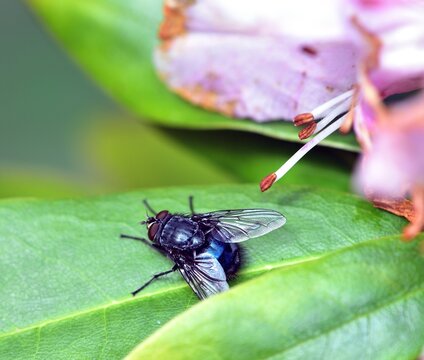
[(153, 229), (162, 215)]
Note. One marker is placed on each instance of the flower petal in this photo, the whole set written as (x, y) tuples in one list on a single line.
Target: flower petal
[(399, 27), (263, 60)]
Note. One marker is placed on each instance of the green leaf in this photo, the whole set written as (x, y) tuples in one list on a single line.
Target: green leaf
[(114, 41), (116, 149), (365, 302), (66, 275), (30, 183), (131, 155)]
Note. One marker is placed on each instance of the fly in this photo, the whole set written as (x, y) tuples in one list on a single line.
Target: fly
[(204, 247)]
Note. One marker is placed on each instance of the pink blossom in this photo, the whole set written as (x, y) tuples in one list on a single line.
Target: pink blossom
[(392, 166), (341, 58), (390, 41), (261, 60)]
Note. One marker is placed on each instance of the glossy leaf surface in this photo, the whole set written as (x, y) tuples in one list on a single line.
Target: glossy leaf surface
[(364, 302), (67, 275)]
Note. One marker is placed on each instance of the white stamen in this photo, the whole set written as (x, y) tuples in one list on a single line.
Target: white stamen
[(343, 107), (308, 146), (324, 109)]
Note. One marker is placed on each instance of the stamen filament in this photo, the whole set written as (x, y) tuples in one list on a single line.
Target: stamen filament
[(308, 146), (343, 107), (323, 109), (327, 112)]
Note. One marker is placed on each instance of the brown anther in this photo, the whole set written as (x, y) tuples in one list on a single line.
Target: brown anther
[(303, 119), (267, 182), (307, 131)]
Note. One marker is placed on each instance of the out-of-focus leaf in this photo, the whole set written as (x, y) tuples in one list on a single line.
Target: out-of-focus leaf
[(250, 156), (130, 155), (20, 183), (136, 155), (365, 302), (114, 41), (66, 275)]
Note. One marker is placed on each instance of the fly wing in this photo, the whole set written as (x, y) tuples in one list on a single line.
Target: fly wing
[(205, 275), (233, 226)]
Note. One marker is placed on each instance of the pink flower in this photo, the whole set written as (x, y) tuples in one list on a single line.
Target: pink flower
[(392, 138), (276, 59), (396, 158), (261, 60), (392, 166)]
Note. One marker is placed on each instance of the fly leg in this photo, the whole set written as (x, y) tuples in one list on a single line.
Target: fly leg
[(154, 277), (190, 204), (145, 241)]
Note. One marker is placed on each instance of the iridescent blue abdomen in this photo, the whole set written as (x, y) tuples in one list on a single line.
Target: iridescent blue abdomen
[(228, 255)]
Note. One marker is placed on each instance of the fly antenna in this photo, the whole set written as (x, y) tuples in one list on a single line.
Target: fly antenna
[(148, 207)]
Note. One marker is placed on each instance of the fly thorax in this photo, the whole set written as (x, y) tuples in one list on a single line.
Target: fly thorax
[(181, 233)]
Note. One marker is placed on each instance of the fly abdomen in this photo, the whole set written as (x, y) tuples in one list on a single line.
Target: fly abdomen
[(227, 254), (181, 233)]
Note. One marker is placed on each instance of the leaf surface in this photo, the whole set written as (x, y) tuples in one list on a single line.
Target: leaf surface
[(66, 275), (364, 302)]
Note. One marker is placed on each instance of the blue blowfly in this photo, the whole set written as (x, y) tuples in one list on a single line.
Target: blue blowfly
[(204, 247)]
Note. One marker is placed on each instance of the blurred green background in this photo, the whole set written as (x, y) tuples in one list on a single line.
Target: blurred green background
[(62, 136), (45, 104)]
